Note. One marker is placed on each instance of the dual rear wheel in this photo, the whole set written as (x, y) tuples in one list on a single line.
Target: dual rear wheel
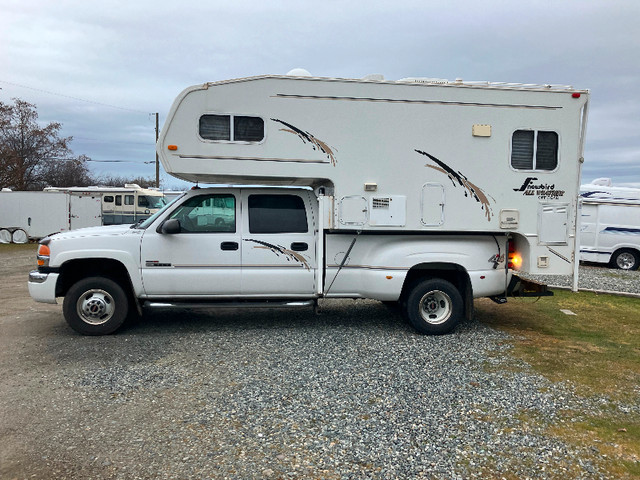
[(434, 306)]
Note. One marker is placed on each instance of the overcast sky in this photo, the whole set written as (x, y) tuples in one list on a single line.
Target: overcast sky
[(100, 68)]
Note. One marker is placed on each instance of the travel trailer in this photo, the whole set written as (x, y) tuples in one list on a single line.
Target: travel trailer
[(610, 226), (28, 216), (420, 192)]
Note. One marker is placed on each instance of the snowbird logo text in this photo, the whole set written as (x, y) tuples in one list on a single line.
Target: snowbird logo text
[(541, 190)]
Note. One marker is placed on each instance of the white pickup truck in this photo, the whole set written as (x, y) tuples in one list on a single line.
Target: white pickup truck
[(261, 246)]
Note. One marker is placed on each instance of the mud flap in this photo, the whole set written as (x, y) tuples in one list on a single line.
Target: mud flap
[(523, 287)]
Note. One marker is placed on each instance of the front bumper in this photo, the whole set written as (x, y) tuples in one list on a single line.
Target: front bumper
[(42, 286)]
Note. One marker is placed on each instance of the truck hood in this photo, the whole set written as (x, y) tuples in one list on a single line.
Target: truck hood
[(110, 230)]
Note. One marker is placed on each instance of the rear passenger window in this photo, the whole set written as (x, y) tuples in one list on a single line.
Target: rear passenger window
[(277, 214)]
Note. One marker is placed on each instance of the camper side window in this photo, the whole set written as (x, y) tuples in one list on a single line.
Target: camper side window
[(534, 150), (233, 128), (215, 127)]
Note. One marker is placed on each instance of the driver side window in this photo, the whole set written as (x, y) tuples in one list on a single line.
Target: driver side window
[(211, 213)]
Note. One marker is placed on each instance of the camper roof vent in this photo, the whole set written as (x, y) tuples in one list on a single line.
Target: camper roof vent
[(603, 182), (424, 80), (298, 72), (131, 185), (375, 77)]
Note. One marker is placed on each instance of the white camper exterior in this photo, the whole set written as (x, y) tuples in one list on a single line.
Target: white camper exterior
[(413, 155), (424, 193), (610, 226)]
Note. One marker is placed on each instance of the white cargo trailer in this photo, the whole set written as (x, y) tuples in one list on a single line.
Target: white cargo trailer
[(34, 215), (610, 227), (423, 192)]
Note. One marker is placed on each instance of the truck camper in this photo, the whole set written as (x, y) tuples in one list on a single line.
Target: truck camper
[(610, 225), (422, 192)]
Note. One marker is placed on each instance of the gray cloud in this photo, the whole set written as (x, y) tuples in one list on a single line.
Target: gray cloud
[(140, 55)]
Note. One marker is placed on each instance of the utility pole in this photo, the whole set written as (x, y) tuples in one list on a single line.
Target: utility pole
[(157, 161)]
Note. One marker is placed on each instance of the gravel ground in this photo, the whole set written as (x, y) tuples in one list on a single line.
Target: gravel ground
[(352, 393), (597, 277)]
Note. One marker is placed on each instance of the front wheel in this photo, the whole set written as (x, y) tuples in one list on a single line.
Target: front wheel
[(95, 306), (626, 259), (434, 306)]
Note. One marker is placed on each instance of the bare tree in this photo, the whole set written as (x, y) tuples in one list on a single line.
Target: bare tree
[(117, 181), (71, 172), (31, 155)]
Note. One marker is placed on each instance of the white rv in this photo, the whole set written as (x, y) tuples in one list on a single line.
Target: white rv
[(423, 192), (610, 228)]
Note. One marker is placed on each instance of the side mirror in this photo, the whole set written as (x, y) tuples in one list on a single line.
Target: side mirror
[(171, 226)]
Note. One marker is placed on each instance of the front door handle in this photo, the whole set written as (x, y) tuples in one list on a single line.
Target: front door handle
[(229, 246), (299, 246)]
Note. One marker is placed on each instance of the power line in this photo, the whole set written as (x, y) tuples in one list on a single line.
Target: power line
[(140, 162), (74, 98)]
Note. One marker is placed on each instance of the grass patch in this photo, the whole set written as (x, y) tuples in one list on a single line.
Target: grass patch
[(597, 349)]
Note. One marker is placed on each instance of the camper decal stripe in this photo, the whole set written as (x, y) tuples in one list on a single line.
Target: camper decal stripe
[(621, 231), (257, 159), (280, 250), (306, 137), (558, 255), (429, 102), (469, 188)]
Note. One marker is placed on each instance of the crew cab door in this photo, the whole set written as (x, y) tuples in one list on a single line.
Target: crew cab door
[(203, 258), (278, 243)]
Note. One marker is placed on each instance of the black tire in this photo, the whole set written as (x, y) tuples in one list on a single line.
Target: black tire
[(625, 259), (434, 306), (95, 306)]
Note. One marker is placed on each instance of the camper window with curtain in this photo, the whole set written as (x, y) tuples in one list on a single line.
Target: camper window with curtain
[(231, 128), (534, 150)]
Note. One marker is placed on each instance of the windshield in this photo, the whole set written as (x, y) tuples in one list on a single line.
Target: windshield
[(149, 201), (152, 218)]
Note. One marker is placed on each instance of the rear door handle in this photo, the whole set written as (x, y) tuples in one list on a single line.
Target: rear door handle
[(229, 246), (299, 246)]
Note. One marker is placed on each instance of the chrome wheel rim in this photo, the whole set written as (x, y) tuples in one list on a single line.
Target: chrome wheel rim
[(95, 306), (435, 307), (625, 261)]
